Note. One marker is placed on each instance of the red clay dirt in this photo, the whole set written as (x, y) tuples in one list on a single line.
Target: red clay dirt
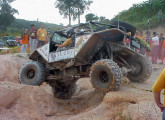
[(22, 102)]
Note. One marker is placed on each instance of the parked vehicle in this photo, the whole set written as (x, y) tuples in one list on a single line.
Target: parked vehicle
[(18, 40), (10, 41), (102, 51), (1, 43)]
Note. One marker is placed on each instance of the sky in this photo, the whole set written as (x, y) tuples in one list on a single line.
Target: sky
[(45, 11)]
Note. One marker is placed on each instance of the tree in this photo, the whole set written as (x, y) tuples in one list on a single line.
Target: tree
[(103, 19), (91, 17), (66, 8), (72, 8), (6, 13), (80, 7)]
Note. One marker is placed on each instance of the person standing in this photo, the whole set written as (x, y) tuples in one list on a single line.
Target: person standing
[(42, 36), (33, 37), (158, 87), (148, 37), (163, 49), (25, 41), (155, 48), (160, 17), (161, 39), (141, 36)]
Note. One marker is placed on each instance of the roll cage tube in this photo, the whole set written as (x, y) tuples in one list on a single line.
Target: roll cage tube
[(90, 27)]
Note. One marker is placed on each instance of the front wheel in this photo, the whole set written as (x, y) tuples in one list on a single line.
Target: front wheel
[(32, 73), (105, 75)]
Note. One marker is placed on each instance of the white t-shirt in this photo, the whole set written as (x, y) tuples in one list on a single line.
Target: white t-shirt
[(155, 41)]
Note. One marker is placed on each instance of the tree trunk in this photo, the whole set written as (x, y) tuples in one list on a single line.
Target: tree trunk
[(78, 15), (69, 17)]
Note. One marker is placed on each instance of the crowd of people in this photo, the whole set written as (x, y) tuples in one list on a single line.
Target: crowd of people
[(157, 44), (34, 38)]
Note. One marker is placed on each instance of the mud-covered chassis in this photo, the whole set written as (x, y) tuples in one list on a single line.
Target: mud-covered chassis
[(102, 51)]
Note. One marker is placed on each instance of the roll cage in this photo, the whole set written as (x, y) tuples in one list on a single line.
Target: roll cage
[(85, 28)]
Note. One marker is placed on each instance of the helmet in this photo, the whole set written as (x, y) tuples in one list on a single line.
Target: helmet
[(70, 32)]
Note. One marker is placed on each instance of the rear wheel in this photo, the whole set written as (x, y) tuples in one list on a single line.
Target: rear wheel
[(142, 69), (64, 91), (105, 75), (32, 73)]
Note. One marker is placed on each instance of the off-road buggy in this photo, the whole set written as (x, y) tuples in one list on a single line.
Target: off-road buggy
[(104, 52)]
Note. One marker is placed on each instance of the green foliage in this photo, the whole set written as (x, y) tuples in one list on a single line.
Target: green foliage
[(91, 17), (11, 50), (18, 26), (65, 8), (139, 14), (103, 19), (80, 7), (72, 8), (6, 13)]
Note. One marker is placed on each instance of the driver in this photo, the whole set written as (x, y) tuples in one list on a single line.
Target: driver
[(68, 41)]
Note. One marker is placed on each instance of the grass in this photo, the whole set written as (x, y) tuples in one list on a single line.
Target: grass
[(12, 50)]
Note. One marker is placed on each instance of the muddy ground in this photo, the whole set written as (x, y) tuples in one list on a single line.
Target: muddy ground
[(22, 102)]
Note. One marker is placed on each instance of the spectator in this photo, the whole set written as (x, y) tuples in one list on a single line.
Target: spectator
[(148, 37), (148, 40), (33, 37), (25, 41), (141, 36), (42, 36), (155, 48), (162, 48), (49, 32), (137, 34), (158, 87), (160, 17), (161, 39)]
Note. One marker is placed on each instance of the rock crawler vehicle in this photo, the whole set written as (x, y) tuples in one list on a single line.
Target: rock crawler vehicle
[(103, 52)]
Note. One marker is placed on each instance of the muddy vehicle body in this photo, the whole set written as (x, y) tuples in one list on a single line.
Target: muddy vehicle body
[(102, 51)]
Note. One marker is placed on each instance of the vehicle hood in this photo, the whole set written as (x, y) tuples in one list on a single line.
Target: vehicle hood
[(10, 40)]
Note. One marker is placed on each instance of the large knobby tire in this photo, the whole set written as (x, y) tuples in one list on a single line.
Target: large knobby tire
[(105, 75), (128, 27), (142, 68), (32, 73), (64, 91)]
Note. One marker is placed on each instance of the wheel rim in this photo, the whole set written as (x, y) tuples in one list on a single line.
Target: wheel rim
[(103, 76), (136, 68), (30, 74)]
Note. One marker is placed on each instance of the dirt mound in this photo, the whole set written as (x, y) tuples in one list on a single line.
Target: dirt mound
[(10, 64), (123, 106), (19, 102), (29, 102)]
